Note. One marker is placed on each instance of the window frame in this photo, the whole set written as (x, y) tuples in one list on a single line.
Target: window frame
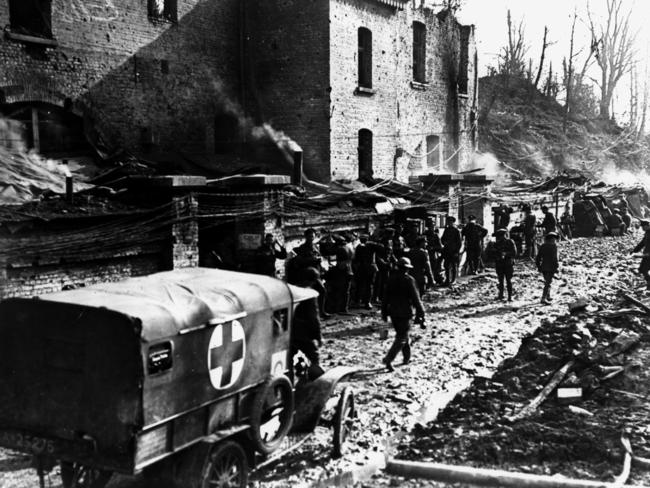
[(419, 52), (366, 136), (23, 33), (364, 61), (169, 13)]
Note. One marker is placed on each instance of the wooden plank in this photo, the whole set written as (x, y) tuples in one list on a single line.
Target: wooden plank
[(487, 477), (636, 302), (543, 395)]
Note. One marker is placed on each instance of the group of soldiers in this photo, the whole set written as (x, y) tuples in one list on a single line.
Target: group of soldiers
[(392, 268)]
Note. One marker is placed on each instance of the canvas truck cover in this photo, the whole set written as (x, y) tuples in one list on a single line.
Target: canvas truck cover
[(71, 363)]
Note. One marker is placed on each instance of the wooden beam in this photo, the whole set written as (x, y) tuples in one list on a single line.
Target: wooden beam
[(487, 477), (543, 395)]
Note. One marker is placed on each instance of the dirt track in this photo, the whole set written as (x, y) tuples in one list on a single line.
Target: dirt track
[(468, 335)]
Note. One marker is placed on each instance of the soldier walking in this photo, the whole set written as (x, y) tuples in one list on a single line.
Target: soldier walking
[(474, 235), (505, 252), (400, 298), (452, 243), (644, 245), (548, 264), (530, 231)]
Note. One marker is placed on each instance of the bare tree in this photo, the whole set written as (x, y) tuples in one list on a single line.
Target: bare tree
[(545, 45), (568, 74), (644, 104), (512, 59), (613, 48)]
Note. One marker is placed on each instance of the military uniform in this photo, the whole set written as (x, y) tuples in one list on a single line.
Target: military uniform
[(266, 256), (365, 271), (421, 271), (400, 298), (505, 252), (547, 264), (644, 245), (452, 243), (474, 235)]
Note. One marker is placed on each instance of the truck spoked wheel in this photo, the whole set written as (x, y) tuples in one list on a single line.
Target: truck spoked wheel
[(226, 467), (75, 475), (271, 414), (343, 421)]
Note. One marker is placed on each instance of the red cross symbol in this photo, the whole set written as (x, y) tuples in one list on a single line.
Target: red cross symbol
[(226, 354)]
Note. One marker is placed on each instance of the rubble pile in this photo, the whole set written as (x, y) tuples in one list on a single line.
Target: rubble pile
[(604, 340)]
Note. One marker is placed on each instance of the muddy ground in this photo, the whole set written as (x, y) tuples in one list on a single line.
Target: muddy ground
[(468, 336)]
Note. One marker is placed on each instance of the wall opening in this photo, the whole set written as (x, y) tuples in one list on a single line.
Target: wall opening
[(49, 129), (163, 10), (226, 134), (463, 68), (419, 52), (31, 17), (365, 57), (434, 150), (365, 154)]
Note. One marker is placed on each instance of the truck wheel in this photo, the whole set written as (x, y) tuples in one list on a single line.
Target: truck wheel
[(75, 475), (273, 402), (343, 418), (226, 467)]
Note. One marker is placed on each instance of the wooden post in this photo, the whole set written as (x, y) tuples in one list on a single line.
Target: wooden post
[(36, 136)]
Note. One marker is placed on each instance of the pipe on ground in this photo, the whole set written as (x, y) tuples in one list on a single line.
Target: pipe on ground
[(487, 477)]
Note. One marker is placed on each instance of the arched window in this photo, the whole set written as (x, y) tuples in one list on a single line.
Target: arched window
[(365, 58), (365, 154), (419, 52), (434, 149)]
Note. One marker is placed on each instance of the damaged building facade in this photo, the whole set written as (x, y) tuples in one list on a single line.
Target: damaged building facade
[(382, 88), (126, 74)]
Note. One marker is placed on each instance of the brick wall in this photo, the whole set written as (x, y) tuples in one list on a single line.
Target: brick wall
[(292, 39), (126, 73), (399, 113), (287, 74), (185, 233), (38, 280), (39, 257)]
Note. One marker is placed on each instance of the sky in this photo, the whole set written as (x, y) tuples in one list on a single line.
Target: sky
[(489, 17)]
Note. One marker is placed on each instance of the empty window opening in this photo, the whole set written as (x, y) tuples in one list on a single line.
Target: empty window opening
[(419, 52), (226, 133), (365, 58), (31, 17), (463, 68), (434, 150), (365, 154), (163, 10), (52, 130)]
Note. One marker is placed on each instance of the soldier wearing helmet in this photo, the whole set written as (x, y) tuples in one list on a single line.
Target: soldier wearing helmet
[(400, 298)]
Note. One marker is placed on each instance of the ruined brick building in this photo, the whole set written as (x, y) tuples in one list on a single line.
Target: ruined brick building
[(378, 88), (367, 87)]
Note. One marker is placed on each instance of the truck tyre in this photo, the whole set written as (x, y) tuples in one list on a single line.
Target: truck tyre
[(343, 418), (75, 475), (273, 399), (225, 467)]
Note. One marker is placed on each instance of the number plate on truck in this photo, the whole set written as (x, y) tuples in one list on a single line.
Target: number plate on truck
[(24, 442)]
